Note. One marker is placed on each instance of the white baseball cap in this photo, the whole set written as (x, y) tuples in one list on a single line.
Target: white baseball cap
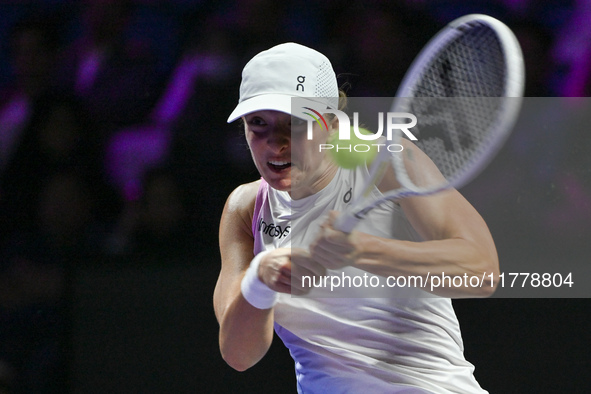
[(274, 76)]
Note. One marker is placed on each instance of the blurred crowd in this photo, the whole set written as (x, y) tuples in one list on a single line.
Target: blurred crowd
[(113, 137)]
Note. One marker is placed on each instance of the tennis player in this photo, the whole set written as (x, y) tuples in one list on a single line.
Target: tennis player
[(278, 230)]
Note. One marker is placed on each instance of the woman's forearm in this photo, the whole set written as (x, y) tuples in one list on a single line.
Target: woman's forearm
[(436, 260), (245, 333)]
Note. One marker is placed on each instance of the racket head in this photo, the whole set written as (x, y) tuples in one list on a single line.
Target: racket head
[(465, 88)]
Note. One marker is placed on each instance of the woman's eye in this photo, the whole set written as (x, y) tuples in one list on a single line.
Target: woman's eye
[(256, 121), (297, 123)]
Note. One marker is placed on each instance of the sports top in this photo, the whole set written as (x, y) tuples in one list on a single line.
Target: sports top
[(358, 339)]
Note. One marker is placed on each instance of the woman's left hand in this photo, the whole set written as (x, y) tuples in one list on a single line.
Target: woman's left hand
[(333, 249)]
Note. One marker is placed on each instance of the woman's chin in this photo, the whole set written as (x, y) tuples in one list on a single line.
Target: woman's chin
[(283, 185), (294, 184)]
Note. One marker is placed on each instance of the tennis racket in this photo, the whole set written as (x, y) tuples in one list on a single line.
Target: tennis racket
[(465, 89)]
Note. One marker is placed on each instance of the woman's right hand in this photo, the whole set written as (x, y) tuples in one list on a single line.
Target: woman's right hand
[(282, 270)]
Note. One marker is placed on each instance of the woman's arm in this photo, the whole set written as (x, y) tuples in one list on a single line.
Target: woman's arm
[(457, 241), (245, 331)]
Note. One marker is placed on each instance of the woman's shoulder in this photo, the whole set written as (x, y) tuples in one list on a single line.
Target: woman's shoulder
[(242, 199)]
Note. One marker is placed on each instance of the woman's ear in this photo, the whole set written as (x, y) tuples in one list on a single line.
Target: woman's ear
[(333, 125)]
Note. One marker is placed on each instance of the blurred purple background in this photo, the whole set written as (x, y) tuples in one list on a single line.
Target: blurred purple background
[(116, 159)]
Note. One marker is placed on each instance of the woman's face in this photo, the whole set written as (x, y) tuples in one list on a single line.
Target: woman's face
[(283, 154)]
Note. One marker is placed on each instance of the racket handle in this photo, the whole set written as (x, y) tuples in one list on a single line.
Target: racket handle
[(346, 222)]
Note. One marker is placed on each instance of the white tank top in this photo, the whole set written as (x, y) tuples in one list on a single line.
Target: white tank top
[(356, 340)]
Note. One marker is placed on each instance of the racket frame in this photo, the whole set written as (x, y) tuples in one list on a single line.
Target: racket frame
[(511, 104)]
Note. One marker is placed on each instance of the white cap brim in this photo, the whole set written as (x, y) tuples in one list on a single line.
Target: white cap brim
[(277, 102), (273, 102)]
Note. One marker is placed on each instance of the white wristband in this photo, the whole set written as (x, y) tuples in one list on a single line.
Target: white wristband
[(253, 290)]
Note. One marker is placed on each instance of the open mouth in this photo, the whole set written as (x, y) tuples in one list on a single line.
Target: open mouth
[(279, 165)]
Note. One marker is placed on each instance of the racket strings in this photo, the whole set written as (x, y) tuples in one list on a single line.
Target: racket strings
[(458, 98), (470, 64)]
